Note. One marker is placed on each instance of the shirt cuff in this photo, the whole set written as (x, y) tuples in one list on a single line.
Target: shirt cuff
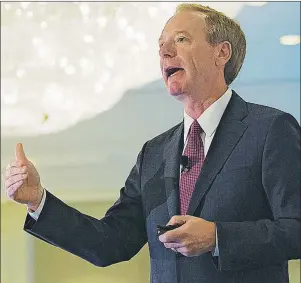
[(216, 251), (35, 215)]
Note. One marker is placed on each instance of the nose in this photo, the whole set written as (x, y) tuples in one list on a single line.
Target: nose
[(167, 50)]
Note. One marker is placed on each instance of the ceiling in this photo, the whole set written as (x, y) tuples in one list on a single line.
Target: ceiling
[(92, 159)]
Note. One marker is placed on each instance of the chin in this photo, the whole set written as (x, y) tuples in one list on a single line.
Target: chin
[(175, 90), (176, 94)]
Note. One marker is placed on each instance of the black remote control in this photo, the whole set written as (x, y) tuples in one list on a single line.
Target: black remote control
[(162, 229)]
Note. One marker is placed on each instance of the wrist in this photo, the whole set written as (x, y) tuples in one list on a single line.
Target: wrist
[(213, 236), (32, 207)]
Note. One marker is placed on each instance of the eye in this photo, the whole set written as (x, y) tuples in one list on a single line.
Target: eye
[(180, 38)]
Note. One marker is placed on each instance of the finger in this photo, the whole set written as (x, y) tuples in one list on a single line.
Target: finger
[(174, 236), (173, 245), (6, 168), (185, 251), (20, 155), (12, 171), (13, 163), (178, 219), (13, 188), (15, 179)]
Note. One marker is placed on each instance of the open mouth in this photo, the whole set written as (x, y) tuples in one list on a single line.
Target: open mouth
[(171, 71)]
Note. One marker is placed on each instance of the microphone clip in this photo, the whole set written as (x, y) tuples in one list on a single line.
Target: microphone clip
[(184, 164)]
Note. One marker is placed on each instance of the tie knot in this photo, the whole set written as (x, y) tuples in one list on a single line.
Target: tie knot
[(195, 128)]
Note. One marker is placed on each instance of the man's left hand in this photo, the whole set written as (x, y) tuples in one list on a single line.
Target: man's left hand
[(195, 237)]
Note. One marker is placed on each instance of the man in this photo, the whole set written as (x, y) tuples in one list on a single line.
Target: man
[(236, 196)]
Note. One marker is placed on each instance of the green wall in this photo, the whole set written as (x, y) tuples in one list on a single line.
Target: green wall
[(51, 264)]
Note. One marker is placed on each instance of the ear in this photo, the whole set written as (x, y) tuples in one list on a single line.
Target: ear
[(223, 53)]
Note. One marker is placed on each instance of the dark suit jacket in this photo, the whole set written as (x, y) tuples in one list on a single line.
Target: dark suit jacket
[(249, 185)]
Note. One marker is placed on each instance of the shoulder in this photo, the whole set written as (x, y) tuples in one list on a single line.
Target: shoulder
[(262, 111), (160, 139), (262, 119), (266, 115)]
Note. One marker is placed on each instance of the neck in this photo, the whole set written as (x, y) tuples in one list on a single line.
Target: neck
[(196, 105)]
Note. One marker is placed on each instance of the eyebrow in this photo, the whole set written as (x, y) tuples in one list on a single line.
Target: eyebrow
[(176, 32)]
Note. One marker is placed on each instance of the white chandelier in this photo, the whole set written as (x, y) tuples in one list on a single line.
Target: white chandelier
[(65, 62)]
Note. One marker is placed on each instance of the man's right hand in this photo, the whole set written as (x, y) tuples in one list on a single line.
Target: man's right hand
[(22, 181)]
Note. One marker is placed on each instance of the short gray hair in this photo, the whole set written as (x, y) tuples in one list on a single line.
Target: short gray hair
[(221, 28)]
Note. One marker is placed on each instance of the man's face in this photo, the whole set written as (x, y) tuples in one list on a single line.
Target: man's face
[(186, 58)]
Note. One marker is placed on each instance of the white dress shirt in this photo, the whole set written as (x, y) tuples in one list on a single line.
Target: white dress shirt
[(209, 121)]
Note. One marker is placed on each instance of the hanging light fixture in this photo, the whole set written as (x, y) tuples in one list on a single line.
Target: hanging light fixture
[(66, 62)]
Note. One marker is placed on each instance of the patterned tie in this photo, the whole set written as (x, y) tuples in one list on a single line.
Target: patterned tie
[(195, 152)]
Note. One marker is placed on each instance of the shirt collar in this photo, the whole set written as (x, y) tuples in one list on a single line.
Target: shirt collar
[(211, 117)]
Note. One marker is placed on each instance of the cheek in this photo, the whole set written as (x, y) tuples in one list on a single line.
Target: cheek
[(203, 61), (196, 69), (198, 64), (161, 64), (204, 67)]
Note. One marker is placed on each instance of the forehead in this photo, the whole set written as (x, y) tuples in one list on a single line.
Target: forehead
[(190, 21)]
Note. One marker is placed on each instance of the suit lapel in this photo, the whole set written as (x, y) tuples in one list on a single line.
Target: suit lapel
[(228, 133), (172, 151)]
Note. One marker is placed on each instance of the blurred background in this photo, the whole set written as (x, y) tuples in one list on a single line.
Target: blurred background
[(81, 89)]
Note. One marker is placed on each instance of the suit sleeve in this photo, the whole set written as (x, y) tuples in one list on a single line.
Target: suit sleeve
[(269, 241), (116, 237)]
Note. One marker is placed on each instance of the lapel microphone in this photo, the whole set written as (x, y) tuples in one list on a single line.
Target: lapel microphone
[(184, 164)]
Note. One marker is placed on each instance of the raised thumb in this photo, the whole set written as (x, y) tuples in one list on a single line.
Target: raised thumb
[(20, 155)]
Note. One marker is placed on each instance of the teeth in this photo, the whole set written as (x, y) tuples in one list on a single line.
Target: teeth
[(170, 72), (174, 73)]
